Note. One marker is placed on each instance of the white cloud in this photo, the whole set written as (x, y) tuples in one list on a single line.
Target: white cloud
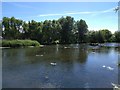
[(44, 15), (77, 13)]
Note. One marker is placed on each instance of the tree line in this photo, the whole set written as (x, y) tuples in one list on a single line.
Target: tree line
[(65, 30)]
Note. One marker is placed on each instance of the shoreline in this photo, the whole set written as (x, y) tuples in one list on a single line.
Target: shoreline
[(4, 47), (24, 46)]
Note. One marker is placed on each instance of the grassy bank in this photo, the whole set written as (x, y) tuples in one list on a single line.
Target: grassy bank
[(19, 43)]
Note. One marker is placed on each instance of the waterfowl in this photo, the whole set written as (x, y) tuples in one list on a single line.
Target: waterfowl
[(65, 47), (110, 68), (46, 77), (116, 86), (103, 66), (53, 64), (39, 55)]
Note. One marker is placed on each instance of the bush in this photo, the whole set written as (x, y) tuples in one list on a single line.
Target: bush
[(19, 43)]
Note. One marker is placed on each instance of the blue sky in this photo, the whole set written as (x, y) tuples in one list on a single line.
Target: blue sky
[(98, 15)]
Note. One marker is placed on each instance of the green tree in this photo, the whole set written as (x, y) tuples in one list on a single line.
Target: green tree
[(67, 26), (6, 33), (12, 28), (0, 28), (47, 32), (117, 36), (39, 34), (82, 30), (99, 37), (33, 29), (56, 27), (25, 30), (92, 36), (106, 35), (64, 30)]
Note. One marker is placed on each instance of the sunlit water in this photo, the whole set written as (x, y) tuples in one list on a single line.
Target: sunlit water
[(77, 66)]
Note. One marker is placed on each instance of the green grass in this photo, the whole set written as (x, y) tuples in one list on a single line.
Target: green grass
[(19, 43)]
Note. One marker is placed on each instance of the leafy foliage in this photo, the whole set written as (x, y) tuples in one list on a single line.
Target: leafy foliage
[(19, 43), (65, 30), (117, 36)]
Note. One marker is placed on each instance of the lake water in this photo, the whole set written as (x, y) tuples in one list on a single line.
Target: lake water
[(77, 66)]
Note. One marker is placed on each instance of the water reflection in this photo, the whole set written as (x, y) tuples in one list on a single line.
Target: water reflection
[(77, 67), (58, 52)]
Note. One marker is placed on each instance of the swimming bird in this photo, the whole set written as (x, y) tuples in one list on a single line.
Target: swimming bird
[(116, 86), (110, 68), (53, 64), (39, 55), (46, 77), (65, 47), (103, 66)]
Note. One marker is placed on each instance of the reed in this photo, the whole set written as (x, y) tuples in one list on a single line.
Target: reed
[(19, 43)]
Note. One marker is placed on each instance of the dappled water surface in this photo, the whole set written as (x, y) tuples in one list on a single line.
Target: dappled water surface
[(77, 66)]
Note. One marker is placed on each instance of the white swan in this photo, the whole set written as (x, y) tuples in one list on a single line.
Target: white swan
[(39, 55), (103, 66), (110, 68), (116, 86), (54, 64)]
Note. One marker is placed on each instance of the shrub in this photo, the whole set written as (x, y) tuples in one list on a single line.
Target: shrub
[(19, 43)]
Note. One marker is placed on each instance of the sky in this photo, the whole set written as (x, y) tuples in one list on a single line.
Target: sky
[(98, 15)]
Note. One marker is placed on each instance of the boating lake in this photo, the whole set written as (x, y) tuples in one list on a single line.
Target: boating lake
[(77, 66)]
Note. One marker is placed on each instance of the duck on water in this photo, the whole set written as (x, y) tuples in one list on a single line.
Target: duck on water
[(53, 63)]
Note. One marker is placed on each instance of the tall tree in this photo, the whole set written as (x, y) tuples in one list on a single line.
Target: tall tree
[(12, 28), (33, 29), (0, 28), (117, 36), (67, 26), (106, 35), (6, 33), (56, 27), (26, 31), (82, 30), (47, 32), (99, 37), (92, 36)]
